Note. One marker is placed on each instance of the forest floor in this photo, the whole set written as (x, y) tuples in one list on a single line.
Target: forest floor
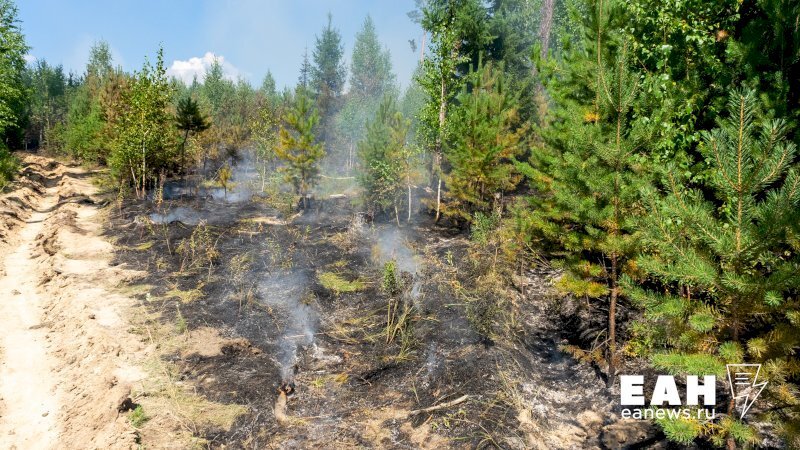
[(175, 324)]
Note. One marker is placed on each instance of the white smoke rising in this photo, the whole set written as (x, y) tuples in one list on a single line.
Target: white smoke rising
[(393, 245), (285, 293), (187, 70), (187, 216)]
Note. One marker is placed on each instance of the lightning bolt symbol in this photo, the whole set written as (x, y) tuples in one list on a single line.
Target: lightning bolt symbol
[(742, 386)]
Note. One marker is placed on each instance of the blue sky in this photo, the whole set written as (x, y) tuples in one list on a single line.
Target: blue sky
[(251, 36)]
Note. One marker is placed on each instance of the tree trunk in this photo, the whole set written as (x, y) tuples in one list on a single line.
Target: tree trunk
[(612, 324), (438, 156), (730, 441), (409, 201), (438, 198), (144, 169), (546, 26), (183, 154)]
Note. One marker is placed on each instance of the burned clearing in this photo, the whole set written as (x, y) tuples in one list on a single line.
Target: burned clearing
[(320, 327)]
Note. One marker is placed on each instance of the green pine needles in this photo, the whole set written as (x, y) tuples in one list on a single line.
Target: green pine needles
[(721, 253), (591, 197), (299, 149), (487, 132)]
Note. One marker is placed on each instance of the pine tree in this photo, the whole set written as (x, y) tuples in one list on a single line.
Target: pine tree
[(82, 135), (217, 90), (189, 119), (231, 105), (486, 134), (725, 257), (590, 173), (388, 161), (299, 149)]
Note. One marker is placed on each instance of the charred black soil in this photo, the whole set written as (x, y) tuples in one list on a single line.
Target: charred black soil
[(299, 301)]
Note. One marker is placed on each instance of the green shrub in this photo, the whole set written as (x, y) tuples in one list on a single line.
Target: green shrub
[(482, 226), (391, 279), (137, 417), (8, 167)]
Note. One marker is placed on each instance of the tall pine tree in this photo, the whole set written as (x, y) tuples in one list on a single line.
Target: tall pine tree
[(590, 173)]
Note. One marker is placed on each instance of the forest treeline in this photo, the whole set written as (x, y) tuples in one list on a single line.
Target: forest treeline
[(646, 148)]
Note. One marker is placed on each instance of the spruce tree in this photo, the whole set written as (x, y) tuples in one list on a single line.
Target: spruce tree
[(304, 79), (268, 89), (328, 73), (724, 256), (298, 148), (371, 73), (371, 79), (486, 134)]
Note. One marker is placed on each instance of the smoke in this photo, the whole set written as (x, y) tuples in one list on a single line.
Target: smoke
[(243, 184), (287, 295), (181, 214), (392, 245)]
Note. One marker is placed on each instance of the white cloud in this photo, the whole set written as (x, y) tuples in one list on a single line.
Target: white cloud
[(186, 70), (30, 59)]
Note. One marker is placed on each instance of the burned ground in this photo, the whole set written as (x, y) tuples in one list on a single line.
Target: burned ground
[(259, 283)]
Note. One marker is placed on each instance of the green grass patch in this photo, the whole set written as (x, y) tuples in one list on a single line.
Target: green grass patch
[(145, 246), (186, 296), (338, 285), (137, 417)]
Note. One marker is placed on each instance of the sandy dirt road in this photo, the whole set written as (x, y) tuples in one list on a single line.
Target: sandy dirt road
[(27, 382), (66, 357)]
